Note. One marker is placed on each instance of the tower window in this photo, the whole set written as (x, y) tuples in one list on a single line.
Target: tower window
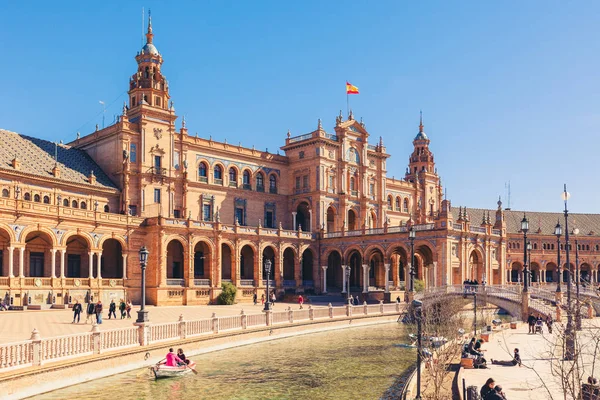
[(66, 203), (132, 101), (157, 195), (74, 204), (260, 183), (36, 198), (272, 184), (157, 101), (133, 152)]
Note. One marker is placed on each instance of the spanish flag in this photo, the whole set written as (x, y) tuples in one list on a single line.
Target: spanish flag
[(351, 89)]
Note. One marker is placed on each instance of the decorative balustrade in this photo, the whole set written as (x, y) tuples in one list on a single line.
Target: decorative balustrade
[(246, 282), (56, 348), (119, 338), (300, 138), (424, 227), (163, 332), (280, 317), (194, 328), (16, 355), (271, 283), (354, 233), (256, 320), (457, 227), (477, 229), (175, 282), (320, 313), (203, 282), (331, 136), (371, 147), (496, 232), (397, 229), (300, 315), (4, 281), (227, 323)]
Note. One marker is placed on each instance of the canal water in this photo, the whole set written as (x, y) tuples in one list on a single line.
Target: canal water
[(352, 363)]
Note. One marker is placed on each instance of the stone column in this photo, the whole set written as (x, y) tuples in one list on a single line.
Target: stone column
[(387, 277), (21, 261), (309, 227), (99, 263), (91, 265), (53, 262), (365, 278), (63, 255), (324, 268), (294, 217), (11, 252), (124, 266), (344, 278)]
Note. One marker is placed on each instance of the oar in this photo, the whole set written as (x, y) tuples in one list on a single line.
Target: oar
[(192, 369)]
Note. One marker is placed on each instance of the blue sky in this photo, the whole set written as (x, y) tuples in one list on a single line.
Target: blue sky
[(509, 90)]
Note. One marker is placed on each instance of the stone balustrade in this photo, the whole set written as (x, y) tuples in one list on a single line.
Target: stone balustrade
[(38, 351)]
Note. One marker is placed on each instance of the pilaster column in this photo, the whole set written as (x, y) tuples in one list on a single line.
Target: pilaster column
[(99, 263), (11, 253), (387, 277), (344, 278), (63, 256), (91, 265), (324, 268), (124, 266), (53, 263), (365, 278), (21, 261), (309, 227), (294, 217)]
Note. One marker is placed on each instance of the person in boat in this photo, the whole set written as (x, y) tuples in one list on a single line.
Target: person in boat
[(173, 360), (182, 356)]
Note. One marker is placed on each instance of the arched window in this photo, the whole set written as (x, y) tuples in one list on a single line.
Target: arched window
[(74, 204), (390, 202), (66, 202), (272, 184), (5, 193), (46, 200), (36, 198), (246, 179), (352, 183), (405, 205), (202, 175), (218, 175), (398, 208), (106, 208), (83, 206), (535, 246), (260, 182), (232, 177), (27, 196)]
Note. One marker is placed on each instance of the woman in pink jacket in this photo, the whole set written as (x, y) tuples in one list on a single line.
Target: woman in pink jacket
[(173, 360)]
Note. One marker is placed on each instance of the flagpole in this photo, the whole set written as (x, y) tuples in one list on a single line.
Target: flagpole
[(347, 103)]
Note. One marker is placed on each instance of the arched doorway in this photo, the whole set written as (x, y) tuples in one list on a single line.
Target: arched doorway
[(37, 255), (585, 272), (565, 271), (535, 272), (334, 270), (331, 219), (351, 220), (288, 267), (475, 271), (424, 265), (399, 264), (516, 272), (5, 267), (226, 272), (307, 269), (247, 263), (303, 217), (78, 258), (202, 261), (112, 259), (376, 275), (551, 273), (175, 260), (268, 254), (355, 264)]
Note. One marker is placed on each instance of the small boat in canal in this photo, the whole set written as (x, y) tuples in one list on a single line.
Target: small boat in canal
[(161, 370)]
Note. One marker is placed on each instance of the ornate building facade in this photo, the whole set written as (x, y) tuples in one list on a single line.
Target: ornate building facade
[(73, 217)]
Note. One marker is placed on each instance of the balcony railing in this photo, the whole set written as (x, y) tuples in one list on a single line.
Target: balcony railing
[(175, 282), (218, 181), (203, 179), (273, 190), (496, 232), (457, 227), (477, 229), (202, 282), (371, 147), (354, 193), (246, 282), (260, 188), (232, 184), (300, 138), (158, 171), (331, 136)]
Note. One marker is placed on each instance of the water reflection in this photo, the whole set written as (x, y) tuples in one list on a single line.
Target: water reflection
[(354, 363)]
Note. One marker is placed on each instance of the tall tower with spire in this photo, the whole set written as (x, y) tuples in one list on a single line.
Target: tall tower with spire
[(422, 173)]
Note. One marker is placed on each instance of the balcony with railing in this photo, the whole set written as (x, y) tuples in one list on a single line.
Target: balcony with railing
[(331, 136), (218, 181), (175, 282), (371, 147), (158, 171), (299, 138), (246, 282), (378, 231), (202, 282), (233, 184), (203, 179), (477, 229)]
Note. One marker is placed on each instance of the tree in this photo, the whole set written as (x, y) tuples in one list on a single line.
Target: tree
[(227, 295)]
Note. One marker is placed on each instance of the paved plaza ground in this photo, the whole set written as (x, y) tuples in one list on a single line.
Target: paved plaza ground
[(521, 383), (17, 325)]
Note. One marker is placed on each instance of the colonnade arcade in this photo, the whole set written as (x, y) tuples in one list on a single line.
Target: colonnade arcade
[(241, 263), (546, 272), (42, 253)]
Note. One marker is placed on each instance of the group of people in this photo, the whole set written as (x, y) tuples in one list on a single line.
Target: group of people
[(263, 298), (176, 360), (473, 350), (537, 323), (491, 391), (94, 311)]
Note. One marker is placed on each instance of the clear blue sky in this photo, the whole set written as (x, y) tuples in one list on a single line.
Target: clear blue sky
[(509, 89)]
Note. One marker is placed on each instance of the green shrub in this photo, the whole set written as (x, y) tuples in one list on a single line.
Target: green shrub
[(227, 296), (419, 285)]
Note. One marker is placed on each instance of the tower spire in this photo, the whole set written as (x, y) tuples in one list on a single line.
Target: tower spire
[(420, 120), (149, 35)]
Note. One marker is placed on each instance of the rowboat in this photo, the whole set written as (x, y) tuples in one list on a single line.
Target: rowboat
[(162, 371)]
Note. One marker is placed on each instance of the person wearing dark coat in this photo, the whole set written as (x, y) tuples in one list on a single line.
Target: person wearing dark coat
[(487, 388), (496, 394), (531, 322), (514, 362), (112, 309), (77, 311)]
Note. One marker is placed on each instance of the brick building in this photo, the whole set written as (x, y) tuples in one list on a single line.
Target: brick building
[(73, 217)]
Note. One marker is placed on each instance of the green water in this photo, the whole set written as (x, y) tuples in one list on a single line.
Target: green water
[(353, 363)]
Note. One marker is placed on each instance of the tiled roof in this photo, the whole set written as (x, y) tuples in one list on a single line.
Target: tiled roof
[(37, 158), (542, 223)]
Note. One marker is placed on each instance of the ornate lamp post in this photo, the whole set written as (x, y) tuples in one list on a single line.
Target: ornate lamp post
[(569, 333), (529, 272), (558, 233), (142, 313), (418, 310), (348, 273), (411, 236), (525, 228), (268, 271), (577, 279)]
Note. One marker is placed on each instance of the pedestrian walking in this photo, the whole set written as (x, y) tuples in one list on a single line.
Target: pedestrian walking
[(300, 301), (98, 311), (262, 299), (255, 298), (112, 309), (76, 311), (273, 298), (356, 300), (531, 322), (122, 307), (128, 309), (90, 312)]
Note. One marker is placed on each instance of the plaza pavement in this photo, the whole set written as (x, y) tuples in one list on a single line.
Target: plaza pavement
[(16, 326), (523, 383)]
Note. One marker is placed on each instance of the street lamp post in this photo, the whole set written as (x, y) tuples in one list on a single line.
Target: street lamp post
[(418, 309), (142, 313), (411, 236), (530, 270), (525, 228), (348, 273), (569, 334), (268, 271), (577, 279), (558, 233)]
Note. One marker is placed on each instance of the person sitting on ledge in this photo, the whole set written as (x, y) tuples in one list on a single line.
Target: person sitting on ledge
[(172, 359), (515, 361)]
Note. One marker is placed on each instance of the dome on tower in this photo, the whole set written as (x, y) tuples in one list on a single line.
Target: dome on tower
[(421, 136), (151, 49)]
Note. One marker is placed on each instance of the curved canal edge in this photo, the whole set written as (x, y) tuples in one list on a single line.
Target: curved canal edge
[(33, 381)]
